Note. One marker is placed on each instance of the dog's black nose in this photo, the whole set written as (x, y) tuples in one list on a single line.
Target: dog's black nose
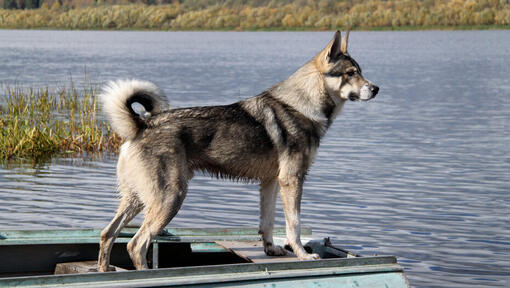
[(374, 89)]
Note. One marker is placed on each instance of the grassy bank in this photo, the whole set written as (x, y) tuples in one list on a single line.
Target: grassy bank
[(274, 15), (39, 124)]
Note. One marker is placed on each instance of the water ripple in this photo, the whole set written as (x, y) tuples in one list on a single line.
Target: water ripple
[(420, 172)]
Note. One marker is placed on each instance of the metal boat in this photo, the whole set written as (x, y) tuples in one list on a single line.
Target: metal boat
[(191, 257)]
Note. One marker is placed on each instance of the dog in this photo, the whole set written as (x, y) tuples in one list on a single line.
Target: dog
[(271, 138)]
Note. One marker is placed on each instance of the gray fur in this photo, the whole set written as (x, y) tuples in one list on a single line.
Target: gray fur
[(117, 97), (271, 138)]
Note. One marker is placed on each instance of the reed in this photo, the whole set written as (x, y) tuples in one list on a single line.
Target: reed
[(261, 15), (38, 124)]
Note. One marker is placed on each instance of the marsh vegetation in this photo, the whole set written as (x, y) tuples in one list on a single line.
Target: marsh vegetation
[(36, 124), (254, 14)]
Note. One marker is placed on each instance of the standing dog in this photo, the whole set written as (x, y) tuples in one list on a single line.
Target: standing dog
[(272, 138)]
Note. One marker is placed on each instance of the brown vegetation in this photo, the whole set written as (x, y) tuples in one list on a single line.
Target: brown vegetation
[(254, 15), (38, 124)]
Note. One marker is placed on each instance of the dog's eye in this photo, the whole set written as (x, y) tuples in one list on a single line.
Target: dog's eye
[(334, 74), (351, 73)]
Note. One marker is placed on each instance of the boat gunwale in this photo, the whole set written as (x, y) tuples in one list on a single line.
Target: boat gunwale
[(218, 273), (168, 235)]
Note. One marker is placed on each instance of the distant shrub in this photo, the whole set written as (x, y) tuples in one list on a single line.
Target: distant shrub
[(252, 14)]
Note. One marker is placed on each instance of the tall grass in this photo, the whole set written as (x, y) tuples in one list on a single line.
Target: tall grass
[(276, 15), (37, 124)]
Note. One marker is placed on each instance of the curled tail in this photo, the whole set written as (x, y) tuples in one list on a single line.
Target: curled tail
[(118, 96)]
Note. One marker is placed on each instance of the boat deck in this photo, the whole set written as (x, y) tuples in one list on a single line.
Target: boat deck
[(209, 257)]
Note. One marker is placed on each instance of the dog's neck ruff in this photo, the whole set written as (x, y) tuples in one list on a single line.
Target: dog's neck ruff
[(304, 91)]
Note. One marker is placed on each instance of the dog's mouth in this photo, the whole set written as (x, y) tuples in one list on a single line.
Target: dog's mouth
[(367, 92), (353, 96)]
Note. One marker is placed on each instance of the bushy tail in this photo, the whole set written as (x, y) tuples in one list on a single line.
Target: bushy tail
[(118, 96)]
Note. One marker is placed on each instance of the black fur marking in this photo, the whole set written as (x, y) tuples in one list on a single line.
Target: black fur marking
[(275, 103), (162, 174), (356, 65), (353, 97), (217, 139), (342, 63), (345, 80), (299, 131), (328, 108), (144, 100), (283, 131)]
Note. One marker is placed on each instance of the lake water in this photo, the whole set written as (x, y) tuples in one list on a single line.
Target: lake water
[(421, 172)]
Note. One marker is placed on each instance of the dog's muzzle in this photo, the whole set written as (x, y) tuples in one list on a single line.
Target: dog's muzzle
[(367, 92)]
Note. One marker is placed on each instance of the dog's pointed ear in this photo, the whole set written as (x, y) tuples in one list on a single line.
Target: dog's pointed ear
[(345, 40), (334, 50)]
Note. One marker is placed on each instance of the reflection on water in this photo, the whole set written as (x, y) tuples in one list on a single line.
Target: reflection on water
[(420, 172)]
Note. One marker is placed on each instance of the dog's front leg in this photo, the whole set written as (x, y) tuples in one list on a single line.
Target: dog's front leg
[(291, 187), (268, 191)]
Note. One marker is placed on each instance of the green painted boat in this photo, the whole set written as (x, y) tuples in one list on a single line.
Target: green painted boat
[(209, 257)]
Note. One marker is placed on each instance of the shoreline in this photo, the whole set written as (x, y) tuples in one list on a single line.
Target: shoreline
[(260, 15), (283, 29)]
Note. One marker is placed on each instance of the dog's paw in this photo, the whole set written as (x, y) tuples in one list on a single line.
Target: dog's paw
[(307, 256), (275, 250), (103, 269)]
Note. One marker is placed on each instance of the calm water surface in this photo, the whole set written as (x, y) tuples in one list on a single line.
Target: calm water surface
[(421, 172)]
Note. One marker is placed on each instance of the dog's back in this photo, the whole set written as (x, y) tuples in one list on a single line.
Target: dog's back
[(226, 141), (272, 138)]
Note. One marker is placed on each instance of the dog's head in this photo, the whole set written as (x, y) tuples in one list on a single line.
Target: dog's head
[(342, 74)]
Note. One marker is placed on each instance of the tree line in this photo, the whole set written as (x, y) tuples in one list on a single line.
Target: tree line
[(251, 14)]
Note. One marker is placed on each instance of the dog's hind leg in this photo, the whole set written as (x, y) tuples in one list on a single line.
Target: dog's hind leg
[(129, 207), (291, 188), (158, 215), (163, 206), (268, 191)]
